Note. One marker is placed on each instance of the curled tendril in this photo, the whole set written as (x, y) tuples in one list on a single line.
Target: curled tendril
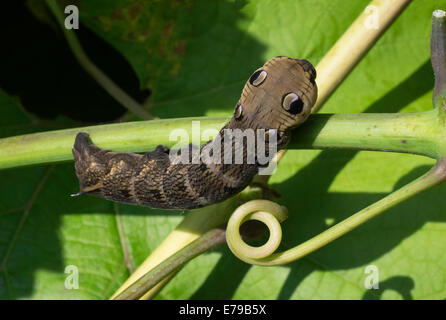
[(268, 212), (271, 214)]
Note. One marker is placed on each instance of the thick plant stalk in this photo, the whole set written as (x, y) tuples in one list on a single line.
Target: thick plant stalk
[(407, 132), (438, 56), (354, 44), (417, 133)]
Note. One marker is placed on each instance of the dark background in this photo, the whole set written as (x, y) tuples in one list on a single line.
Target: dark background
[(49, 81)]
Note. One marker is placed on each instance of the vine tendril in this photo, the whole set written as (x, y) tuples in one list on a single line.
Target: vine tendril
[(268, 212), (271, 214)]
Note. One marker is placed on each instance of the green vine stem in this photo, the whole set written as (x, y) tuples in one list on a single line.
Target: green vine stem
[(418, 133), (55, 146), (104, 81)]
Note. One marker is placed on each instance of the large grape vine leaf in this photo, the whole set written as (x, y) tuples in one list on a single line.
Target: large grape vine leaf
[(195, 56)]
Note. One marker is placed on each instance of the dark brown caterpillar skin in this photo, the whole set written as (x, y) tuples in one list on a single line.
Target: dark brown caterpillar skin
[(268, 101)]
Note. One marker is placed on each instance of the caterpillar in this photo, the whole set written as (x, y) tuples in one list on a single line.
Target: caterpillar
[(277, 98)]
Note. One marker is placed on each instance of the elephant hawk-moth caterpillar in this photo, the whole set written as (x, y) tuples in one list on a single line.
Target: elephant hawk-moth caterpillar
[(277, 96)]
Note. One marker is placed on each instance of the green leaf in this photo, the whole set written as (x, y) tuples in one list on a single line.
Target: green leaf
[(196, 56)]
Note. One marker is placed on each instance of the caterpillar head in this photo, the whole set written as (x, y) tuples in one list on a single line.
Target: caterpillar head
[(279, 95)]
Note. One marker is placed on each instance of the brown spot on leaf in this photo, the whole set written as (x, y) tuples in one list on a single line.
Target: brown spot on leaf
[(117, 14), (180, 48), (167, 30), (135, 10)]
